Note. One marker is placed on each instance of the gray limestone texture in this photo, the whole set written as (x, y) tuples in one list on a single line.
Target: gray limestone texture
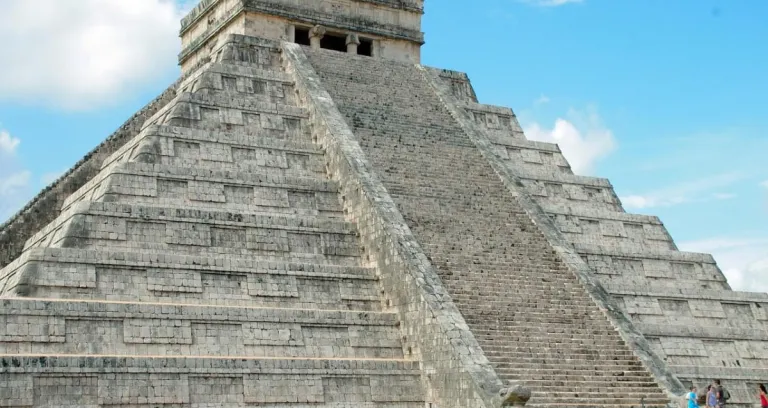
[(459, 374), (297, 227), (209, 262), (697, 327), (518, 298)]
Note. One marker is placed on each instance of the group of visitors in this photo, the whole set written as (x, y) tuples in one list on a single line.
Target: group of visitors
[(717, 396)]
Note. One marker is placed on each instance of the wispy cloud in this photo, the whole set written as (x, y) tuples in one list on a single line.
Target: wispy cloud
[(549, 3), (101, 49), (541, 100), (764, 184), (582, 137), (703, 189), (744, 261), (8, 144), (12, 183), (723, 196)]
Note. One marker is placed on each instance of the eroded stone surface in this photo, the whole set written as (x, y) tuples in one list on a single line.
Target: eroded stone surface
[(287, 226), (209, 263)]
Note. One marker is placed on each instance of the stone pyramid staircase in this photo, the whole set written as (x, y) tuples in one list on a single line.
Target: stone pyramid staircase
[(209, 264), (531, 315)]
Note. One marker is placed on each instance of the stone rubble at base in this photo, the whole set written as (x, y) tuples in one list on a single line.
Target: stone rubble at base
[(291, 226)]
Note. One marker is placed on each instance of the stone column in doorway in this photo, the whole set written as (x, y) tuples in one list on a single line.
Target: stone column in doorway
[(315, 35), (353, 41)]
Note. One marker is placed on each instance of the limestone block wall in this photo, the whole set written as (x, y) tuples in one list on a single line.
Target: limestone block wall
[(131, 382), (680, 301), (393, 26), (56, 328), (201, 30)]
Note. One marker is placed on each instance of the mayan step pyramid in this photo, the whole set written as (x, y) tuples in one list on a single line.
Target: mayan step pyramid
[(309, 218)]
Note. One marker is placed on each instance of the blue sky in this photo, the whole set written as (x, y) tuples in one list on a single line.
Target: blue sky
[(664, 98)]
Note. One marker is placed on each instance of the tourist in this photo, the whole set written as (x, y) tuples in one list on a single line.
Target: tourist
[(722, 394), (692, 398), (711, 397), (763, 397)]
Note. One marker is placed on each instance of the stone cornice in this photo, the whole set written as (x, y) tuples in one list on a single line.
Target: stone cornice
[(334, 21), (199, 11), (195, 14), (198, 42)]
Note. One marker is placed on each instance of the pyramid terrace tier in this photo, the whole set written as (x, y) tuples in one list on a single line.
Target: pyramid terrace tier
[(64, 327), (257, 84), (175, 146), (138, 381), (114, 275), (638, 268), (563, 191), (609, 228), (268, 191), (240, 115), (189, 231)]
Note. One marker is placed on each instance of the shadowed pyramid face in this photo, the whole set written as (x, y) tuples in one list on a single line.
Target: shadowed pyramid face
[(389, 29)]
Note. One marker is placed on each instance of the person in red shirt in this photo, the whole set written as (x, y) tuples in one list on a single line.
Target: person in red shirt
[(763, 397)]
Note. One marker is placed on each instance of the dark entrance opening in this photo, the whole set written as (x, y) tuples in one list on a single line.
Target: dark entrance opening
[(365, 47), (302, 36), (334, 42)]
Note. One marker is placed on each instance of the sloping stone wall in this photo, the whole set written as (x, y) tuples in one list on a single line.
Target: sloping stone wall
[(46, 206)]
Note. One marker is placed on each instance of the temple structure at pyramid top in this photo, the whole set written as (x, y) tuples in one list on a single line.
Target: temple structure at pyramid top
[(310, 218), (388, 29)]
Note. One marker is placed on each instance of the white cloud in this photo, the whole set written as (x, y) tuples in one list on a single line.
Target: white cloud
[(723, 196), (582, 137), (541, 100), (81, 54), (744, 261), (691, 191), (550, 3), (13, 183), (764, 184), (8, 144)]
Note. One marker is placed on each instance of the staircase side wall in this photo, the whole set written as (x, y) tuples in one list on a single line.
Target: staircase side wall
[(457, 373)]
